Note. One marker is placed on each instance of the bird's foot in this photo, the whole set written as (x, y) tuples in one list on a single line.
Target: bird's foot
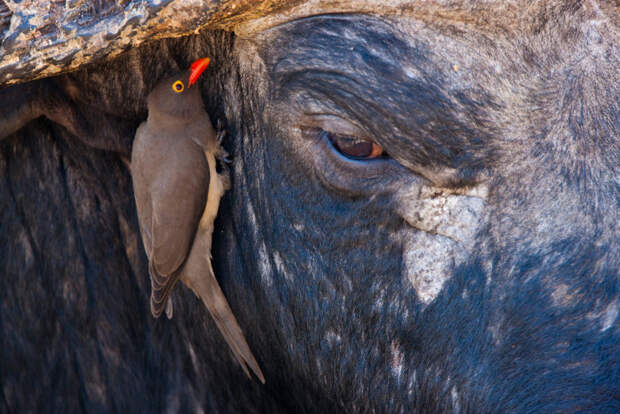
[(225, 156)]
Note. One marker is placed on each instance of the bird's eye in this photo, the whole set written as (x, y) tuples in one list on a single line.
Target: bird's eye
[(178, 86), (355, 148)]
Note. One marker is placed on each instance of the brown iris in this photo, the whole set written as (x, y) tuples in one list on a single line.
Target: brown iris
[(356, 148)]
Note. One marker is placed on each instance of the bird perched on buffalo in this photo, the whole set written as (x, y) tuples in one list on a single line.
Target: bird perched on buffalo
[(178, 192)]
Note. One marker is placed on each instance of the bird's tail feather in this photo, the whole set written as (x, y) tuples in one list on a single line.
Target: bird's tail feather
[(215, 301)]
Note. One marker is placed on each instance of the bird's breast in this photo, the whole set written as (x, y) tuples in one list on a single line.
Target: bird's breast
[(216, 191)]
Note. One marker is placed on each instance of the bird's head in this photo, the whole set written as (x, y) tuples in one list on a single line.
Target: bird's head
[(176, 96)]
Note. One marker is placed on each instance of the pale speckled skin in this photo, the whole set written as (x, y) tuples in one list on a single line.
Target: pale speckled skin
[(501, 123)]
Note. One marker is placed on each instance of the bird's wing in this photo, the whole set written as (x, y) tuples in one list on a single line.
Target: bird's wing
[(178, 197)]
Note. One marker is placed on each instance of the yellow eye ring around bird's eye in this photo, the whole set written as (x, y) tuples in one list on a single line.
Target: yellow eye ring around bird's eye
[(178, 86)]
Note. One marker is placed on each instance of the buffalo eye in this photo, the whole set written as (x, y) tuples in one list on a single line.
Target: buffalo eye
[(355, 148)]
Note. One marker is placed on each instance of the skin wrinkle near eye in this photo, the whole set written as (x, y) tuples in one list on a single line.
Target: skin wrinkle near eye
[(418, 124), (355, 178), (435, 131), (334, 124), (445, 219), (315, 122)]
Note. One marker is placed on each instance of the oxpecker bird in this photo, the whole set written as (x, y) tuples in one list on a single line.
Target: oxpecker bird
[(178, 192)]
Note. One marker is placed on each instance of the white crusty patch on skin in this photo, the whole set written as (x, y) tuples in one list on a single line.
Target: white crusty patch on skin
[(280, 268), (264, 266), (454, 394), (332, 338), (428, 261), (396, 362), (495, 329), (192, 355), (444, 223), (441, 211), (561, 296), (22, 239), (253, 221), (559, 293), (380, 301), (606, 315), (412, 383), (610, 315)]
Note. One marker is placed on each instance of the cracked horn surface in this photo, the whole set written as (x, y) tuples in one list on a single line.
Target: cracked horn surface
[(40, 38)]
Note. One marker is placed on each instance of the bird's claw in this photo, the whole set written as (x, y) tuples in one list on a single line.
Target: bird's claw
[(220, 136), (221, 133)]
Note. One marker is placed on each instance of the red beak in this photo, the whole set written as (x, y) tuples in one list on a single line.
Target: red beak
[(197, 68)]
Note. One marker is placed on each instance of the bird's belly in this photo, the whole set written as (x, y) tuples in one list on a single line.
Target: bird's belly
[(215, 193)]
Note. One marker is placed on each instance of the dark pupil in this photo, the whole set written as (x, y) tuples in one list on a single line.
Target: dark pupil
[(351, 146), (177, 86)]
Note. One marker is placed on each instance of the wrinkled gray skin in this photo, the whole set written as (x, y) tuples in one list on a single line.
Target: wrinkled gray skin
[(474, 270)]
